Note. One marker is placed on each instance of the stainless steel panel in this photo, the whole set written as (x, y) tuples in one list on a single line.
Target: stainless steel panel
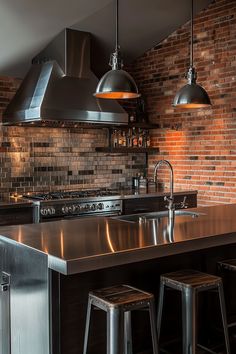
[(59, 87), (5, 320), (28, 311)]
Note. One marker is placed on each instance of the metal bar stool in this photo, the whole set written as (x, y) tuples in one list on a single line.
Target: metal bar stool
[(190, 283), (118, 302), (228, 265)]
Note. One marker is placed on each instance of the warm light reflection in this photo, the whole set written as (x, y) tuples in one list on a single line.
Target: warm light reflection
[(108, 237), (19, 238), (141, 235), (116, 95), (192, 105), (62, 243), (44, 247)]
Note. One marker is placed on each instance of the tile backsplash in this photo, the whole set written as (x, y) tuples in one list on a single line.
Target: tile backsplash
[(42, 158)]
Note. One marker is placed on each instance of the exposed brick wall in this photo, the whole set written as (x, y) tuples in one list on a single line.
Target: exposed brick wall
[(42, 159), (202, 149)]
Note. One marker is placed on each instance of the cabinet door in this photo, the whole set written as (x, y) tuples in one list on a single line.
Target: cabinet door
[(16, 216)]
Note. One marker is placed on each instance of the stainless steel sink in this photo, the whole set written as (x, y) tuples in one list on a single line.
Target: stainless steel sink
[(133, 218)]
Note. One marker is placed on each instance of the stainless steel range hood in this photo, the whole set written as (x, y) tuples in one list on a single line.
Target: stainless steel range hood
[(59, 87)]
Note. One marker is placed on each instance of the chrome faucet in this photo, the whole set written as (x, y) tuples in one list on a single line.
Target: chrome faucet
[(170, 206)]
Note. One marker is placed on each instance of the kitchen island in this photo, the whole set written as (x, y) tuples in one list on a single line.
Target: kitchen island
[(52, 266)]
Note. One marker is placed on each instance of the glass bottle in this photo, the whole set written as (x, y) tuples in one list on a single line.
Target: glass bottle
[(114, 139), (140, 138), (120, 138), (124, 141), (134, 138), (148, 139)]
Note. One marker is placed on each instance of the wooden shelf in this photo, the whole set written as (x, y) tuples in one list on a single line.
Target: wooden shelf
[(139, 125), (126, 150)]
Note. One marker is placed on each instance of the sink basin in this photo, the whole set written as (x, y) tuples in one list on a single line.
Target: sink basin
[(133, 218)]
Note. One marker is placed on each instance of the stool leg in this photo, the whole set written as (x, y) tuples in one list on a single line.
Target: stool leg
[(189, 321), (152, 315), (223, 315), (128, 333), (87, 326), (115, 331), (160, 309)]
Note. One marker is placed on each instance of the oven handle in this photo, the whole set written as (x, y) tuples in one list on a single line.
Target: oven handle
[(71, 217), (80, 216)]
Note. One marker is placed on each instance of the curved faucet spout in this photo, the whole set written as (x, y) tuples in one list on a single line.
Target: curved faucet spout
[(170, 200)]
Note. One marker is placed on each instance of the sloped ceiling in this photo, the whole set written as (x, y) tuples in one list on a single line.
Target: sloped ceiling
[(27, 26)]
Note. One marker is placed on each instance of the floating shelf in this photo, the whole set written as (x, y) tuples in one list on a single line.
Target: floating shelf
[(139, 125), (126, 150)]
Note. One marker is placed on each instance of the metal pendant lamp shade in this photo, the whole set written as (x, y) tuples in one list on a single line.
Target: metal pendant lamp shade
[(117, 83), (192, 95)]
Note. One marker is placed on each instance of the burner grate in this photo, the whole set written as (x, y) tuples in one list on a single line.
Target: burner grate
[(72, 194)]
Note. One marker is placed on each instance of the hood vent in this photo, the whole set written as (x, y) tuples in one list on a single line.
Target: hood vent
[(59, 88)]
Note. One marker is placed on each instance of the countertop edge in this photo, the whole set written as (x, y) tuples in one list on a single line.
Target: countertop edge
[(138, 255)]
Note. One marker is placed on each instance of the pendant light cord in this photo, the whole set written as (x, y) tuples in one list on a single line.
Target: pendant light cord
[(117, 25), (191, 48)]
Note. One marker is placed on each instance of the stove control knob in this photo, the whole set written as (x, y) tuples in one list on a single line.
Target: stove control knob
[(50, 211), (77, 208), (87, 207), (44, 212), (71, 209), (100, 206), (94, 207), (65, 209)]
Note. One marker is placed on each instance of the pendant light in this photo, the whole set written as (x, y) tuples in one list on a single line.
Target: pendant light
[(192, 95), (116, 83)]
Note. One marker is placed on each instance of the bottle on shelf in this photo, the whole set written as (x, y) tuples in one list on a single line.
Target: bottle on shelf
[(129, 138), (114, 139), (134, 138), (120, 138), (140, 138), (124, 139), (148, 140)]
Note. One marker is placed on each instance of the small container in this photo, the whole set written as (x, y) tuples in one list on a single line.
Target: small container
[(143, 182), (135, 182)]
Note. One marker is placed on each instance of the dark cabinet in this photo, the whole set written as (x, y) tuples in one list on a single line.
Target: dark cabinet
[(150, 204), (16, 215)]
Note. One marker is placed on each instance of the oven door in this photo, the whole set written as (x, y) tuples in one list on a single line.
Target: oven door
[(72, 217)]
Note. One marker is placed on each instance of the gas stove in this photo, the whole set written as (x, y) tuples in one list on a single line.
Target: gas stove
[(71, 204)]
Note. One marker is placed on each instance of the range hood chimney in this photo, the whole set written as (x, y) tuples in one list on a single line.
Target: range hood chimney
[(59, 87)]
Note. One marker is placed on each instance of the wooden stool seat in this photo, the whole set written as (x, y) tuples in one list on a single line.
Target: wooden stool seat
[(190, 278), (228, 264), (121, 295)]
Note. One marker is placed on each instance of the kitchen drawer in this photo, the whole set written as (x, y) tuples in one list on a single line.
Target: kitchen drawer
[(16, 216), (148, 205)]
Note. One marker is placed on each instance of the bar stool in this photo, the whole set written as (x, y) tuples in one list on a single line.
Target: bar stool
[(228, 265), (190, 283), (118, 302)]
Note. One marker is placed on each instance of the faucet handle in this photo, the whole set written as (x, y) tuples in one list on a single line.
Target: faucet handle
[(183, 204), (170, 201)]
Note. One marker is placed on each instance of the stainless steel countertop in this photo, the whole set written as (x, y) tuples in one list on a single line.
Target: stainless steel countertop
[(80, 245)]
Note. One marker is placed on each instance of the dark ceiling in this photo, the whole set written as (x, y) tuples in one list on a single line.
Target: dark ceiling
[(27, 26)]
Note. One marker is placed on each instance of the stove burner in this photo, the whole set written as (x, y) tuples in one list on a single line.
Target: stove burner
[(72, 194)]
